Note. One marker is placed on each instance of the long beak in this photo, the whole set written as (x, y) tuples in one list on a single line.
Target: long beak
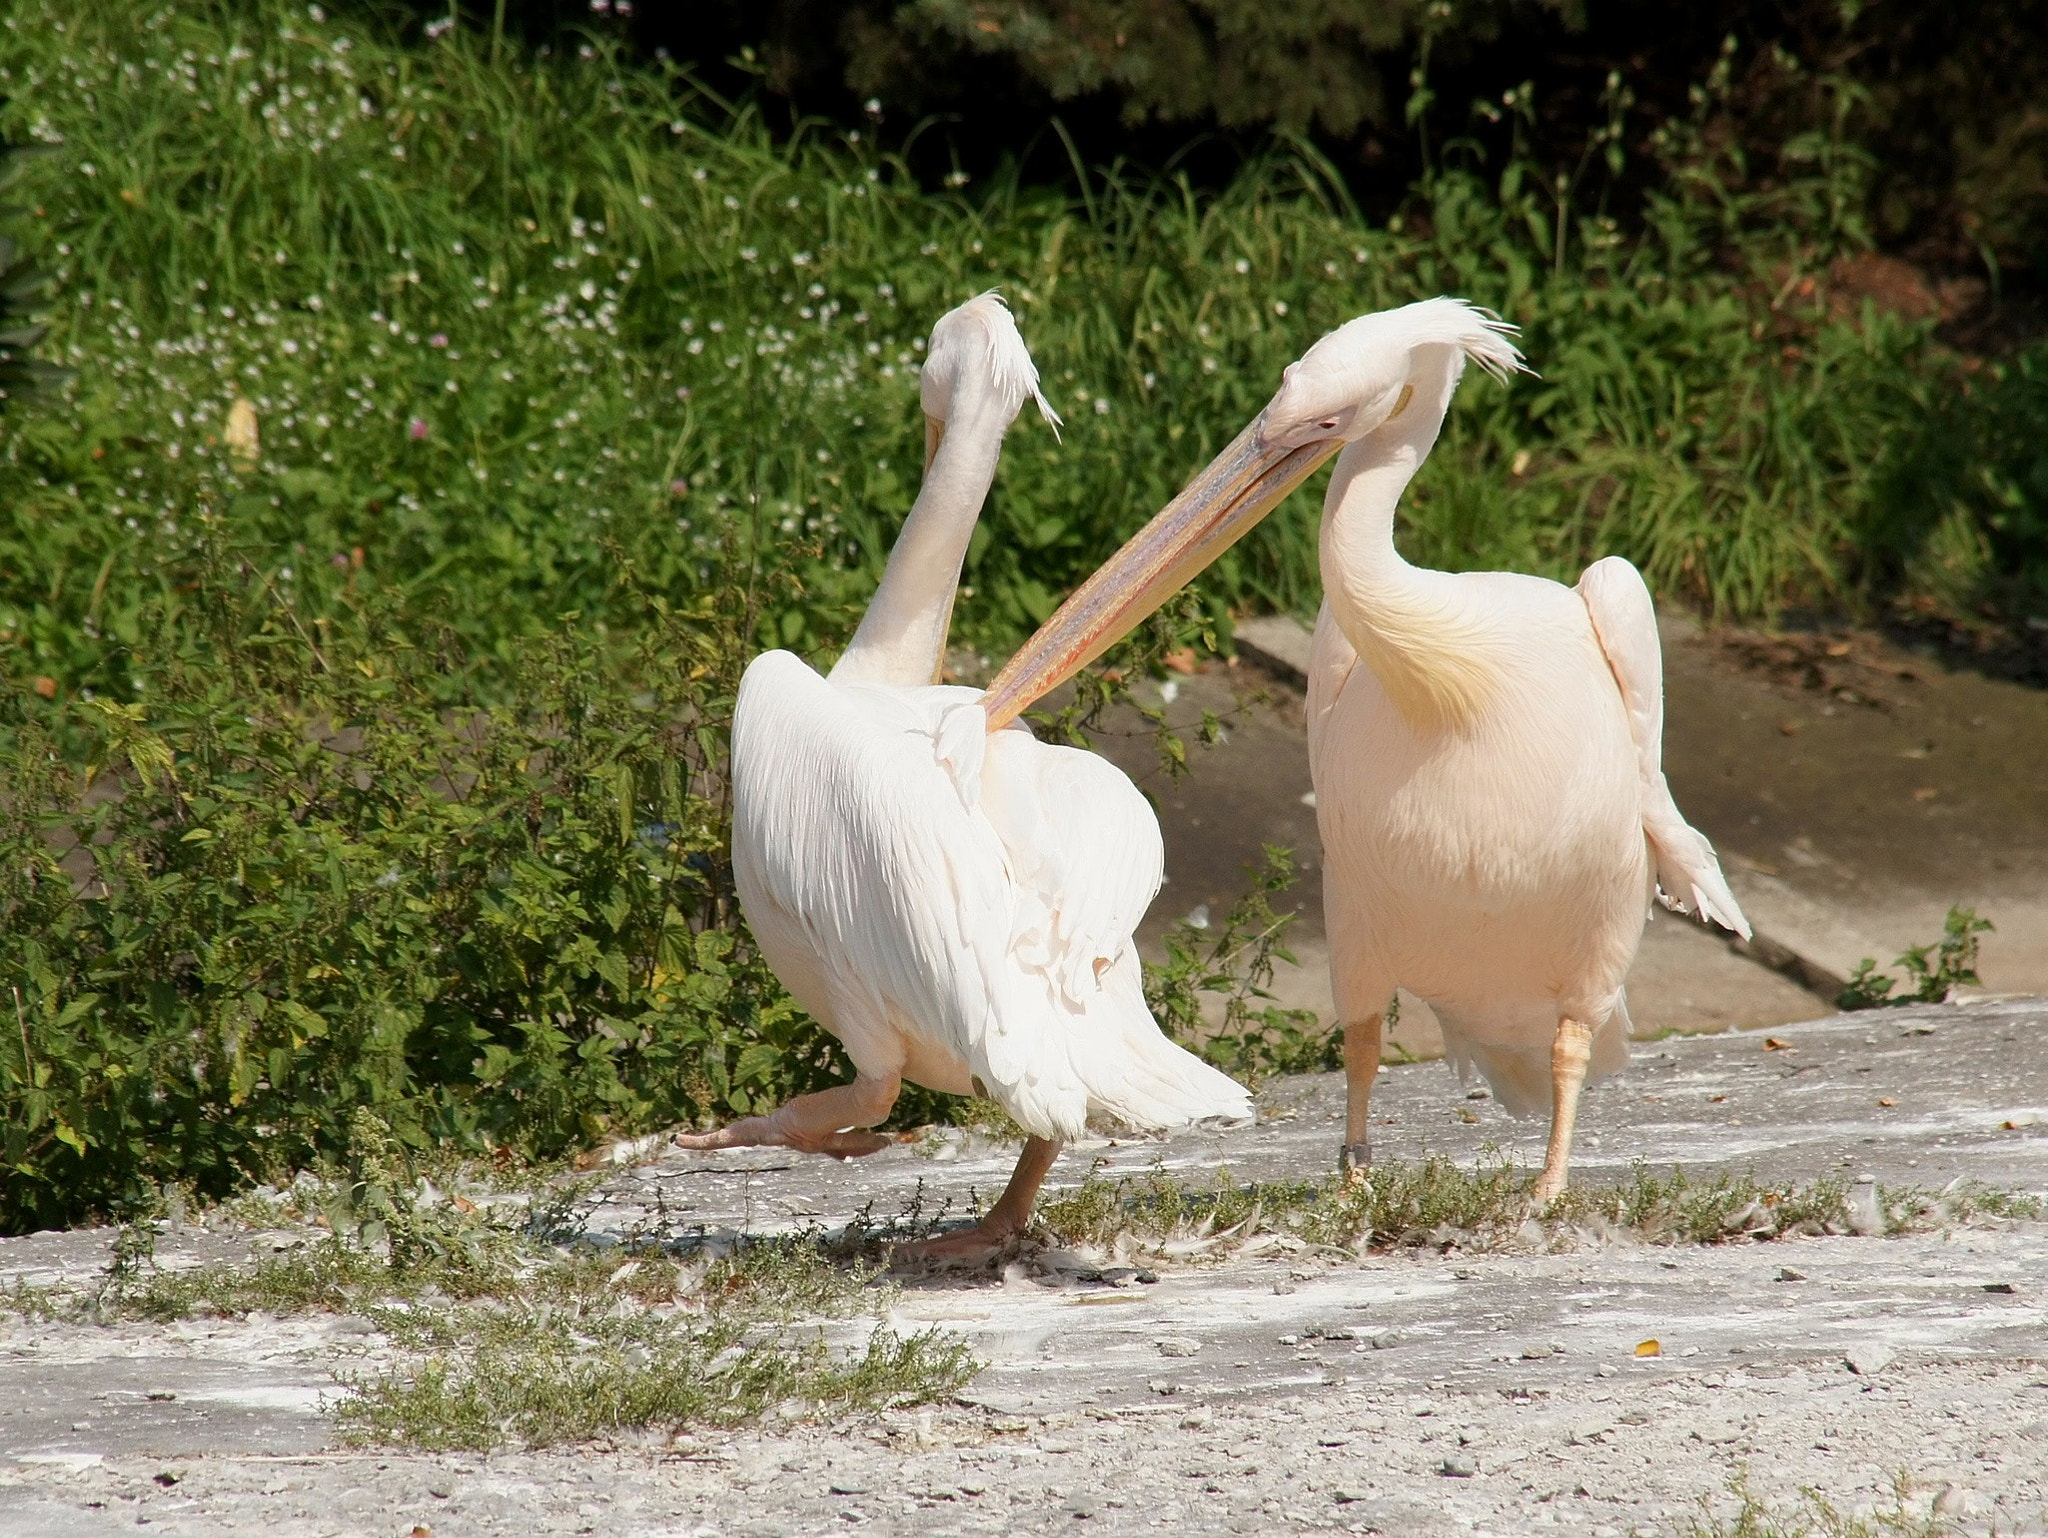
[(1215, 510), (934, 435)]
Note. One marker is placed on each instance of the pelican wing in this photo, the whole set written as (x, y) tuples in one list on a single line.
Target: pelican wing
[(977, 894), (1625, 621), (852, 829), (1085, 862)]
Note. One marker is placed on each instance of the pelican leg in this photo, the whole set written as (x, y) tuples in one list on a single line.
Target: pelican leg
[(1361, 1068), (1010, 1215), (1570, 1053), (817, 1123)]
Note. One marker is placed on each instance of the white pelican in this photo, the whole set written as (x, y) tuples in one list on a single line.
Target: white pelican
[(1495, 819), (954, 904)]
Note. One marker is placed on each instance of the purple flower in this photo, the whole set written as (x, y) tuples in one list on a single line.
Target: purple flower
[(417, 429), (679, 487), (438, 339), (682, 392)]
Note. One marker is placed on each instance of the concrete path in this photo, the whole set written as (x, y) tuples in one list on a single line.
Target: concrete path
[(1278, 1391), (1855, 791)]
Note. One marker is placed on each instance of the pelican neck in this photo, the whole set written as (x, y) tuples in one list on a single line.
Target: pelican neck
[(901, 640), (1358, 555)]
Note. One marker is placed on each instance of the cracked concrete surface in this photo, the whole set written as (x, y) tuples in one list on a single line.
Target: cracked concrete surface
[(1282, 1390)]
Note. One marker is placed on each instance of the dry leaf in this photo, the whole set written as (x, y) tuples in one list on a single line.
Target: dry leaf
[(241, 431), (1649, 1348), (1925, 793), (1772, 1044), (1887, 1100), (46, 687), (1182, 661)]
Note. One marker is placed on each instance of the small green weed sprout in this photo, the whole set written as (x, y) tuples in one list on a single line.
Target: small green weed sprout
[(1932, 971), (1233, 962), (1814, 1516)]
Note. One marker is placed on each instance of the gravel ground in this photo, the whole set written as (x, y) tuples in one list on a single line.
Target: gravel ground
[(1281, 1390)]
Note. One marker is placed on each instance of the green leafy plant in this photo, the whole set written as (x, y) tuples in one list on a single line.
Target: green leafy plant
[(294, 908), (1932, 971), (1210, 992)]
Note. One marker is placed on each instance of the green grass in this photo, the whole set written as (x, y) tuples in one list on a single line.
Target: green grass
[(591, 1346), (380, 763), (504, 329), (496, 1335), (1814, 1516), (485, 1375), (1438, 1203)]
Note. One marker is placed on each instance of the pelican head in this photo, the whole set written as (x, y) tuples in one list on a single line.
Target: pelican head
[(1365, 374), (1363, 377), (976, 349)]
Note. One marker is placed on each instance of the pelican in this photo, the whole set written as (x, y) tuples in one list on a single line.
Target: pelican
[(954, 903), (1486, 746)]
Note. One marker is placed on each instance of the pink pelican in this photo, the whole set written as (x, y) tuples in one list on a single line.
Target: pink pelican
[(1486, 746), (952, 900)]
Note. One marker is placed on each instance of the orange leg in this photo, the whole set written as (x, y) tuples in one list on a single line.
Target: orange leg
[(1010, 1215), (1570, 1054), (1361, 1068), (819, 1123)]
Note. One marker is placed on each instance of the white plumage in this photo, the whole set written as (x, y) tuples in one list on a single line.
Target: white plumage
[(956, 907), (1486, 749)]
